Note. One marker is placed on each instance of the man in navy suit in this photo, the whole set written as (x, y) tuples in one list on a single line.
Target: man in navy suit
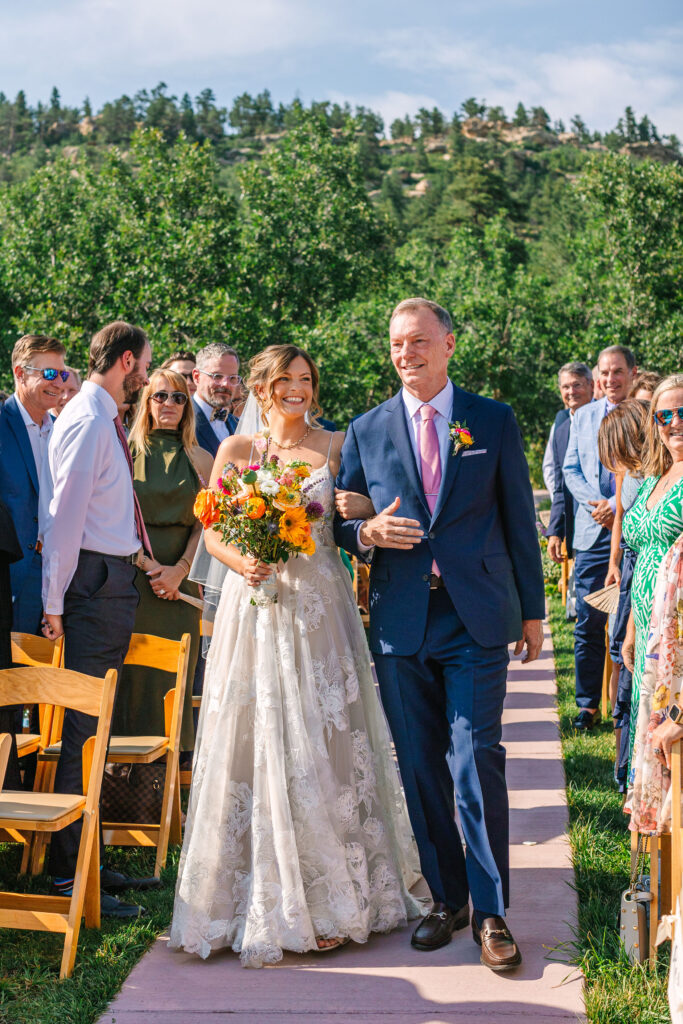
[(576, 387), (25, 429), (456, 577), (217, 378)]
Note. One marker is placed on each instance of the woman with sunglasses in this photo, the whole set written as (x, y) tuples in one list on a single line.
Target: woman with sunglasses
[(652, 524), (169, 469)]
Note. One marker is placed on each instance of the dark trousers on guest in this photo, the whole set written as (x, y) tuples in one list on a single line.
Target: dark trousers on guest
[(444, 706), (99, 616), (590, 569)]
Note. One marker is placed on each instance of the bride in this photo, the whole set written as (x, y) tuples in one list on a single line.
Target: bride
[(297, 834)]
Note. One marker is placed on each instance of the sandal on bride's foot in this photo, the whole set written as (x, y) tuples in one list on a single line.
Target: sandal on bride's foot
[(336, 943)]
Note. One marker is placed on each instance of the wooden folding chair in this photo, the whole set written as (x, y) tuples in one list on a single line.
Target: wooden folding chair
[(565, 570), (605, 703), (169, 656), (5, 747), (205, 629), (21, 811), (28, 649)]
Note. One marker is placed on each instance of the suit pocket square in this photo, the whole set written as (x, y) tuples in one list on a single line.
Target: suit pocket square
[(475, 451)]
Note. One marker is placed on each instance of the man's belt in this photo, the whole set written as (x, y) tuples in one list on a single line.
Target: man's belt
[(128, 559)]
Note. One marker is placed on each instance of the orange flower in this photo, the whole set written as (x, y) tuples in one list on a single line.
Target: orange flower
[(293, 524), (255, 508), (287, 498), (309, 547), (302, 471), (206, 508)]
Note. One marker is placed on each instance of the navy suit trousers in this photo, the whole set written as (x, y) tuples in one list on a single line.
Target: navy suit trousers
[(444, 706), (99, 616), (590, 569)]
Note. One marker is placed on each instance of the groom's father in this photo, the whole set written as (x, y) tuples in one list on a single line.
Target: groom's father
[(455, 578)]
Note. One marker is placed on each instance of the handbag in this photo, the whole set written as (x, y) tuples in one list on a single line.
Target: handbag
[(634, 911), (133, 793)]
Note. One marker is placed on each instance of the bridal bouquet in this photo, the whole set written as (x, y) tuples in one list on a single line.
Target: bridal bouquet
[(263, 511)]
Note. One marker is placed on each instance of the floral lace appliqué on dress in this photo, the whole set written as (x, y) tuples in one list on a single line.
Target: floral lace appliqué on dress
[(297, 825)]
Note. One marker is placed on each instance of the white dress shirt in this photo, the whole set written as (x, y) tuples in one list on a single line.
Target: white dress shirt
[(38, 435), (548, 464), (443, 403), (90, 500), (219, 427)]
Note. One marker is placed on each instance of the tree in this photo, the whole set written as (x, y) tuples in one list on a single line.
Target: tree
[(521, 118), (310, 236), (472, 108), (540, 117), (495, 114), (580, 128), (210, 119), (117, 120), (151, 238)]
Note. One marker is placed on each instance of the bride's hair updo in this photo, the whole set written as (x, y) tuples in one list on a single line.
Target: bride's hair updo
[(267, 366)]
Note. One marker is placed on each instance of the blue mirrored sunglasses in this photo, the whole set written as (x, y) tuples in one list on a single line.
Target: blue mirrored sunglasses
[(665, 416), (50, 374)]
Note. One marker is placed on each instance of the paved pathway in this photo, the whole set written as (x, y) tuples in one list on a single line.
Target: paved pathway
[(386, 980)]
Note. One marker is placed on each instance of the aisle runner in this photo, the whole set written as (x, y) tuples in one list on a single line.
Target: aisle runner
[(387, 981)]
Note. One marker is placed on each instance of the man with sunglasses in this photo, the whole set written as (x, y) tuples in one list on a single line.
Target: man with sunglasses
[(25, 430), (182, 362), (217, 378), (593, 489)]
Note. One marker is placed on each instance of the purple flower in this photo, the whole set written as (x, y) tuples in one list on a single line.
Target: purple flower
[(314, 510)]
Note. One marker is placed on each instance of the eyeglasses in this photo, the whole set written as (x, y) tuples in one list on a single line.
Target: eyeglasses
[(665, 416), (179, 397), (218, 378), (48, 373), (188, 376)]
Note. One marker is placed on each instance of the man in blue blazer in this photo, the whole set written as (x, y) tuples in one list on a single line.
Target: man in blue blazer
[(217, 378), (25, 428), (456, 577), (593, 490)]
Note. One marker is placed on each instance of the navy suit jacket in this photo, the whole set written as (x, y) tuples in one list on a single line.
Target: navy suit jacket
[(562, 509), (206, 437), (482, 533), (19, 489)]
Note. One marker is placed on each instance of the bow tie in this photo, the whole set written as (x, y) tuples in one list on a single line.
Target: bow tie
[(219, 414)]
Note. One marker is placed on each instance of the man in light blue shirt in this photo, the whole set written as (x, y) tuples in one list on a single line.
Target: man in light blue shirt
[(592, 487)]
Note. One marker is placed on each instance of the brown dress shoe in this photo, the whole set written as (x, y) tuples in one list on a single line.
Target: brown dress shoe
[(436, 929), (499, 951)]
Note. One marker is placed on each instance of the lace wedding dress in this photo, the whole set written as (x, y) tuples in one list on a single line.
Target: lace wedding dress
[(297, 825)]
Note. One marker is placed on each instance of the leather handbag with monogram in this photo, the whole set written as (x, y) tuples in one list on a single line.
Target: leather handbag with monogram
[(133, 793)]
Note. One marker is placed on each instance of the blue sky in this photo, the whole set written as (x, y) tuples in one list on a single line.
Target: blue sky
[(589, 56)]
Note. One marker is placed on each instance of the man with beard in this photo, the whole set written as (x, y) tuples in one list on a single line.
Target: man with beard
[(217, 378), (93, 538)]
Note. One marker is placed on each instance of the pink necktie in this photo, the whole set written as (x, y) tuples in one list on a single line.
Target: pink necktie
[(139, 522), (430, 460)]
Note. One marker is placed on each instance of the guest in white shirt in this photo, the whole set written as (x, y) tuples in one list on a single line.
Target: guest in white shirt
[(25, 428), (218, 381), (93, 538)]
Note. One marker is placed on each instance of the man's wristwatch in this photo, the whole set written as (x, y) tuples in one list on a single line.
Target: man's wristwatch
[(676, 714)]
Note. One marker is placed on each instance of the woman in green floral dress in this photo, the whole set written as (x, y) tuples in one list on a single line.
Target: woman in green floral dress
[(655, 519)]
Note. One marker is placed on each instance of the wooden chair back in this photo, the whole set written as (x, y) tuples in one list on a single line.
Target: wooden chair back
[(5, 747), (28, 649)]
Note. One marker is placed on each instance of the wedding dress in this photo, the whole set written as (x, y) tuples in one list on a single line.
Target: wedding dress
[(297, 826)]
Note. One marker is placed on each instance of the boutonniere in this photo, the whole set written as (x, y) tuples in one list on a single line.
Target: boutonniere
[(460, 435)]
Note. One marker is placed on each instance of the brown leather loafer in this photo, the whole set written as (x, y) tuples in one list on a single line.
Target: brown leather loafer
[(499, 951), (436, 929)]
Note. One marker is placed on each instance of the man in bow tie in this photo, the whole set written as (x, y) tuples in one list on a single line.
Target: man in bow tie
[(456, 576), (218, 381)]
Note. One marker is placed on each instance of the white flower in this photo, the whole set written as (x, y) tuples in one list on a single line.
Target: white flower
[(267, 483)]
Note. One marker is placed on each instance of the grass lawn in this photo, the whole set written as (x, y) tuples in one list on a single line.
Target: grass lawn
[(30, 989), (616, 991)]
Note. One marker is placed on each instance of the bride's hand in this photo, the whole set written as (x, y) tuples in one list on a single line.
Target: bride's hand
[(255, 572), (351, 505)]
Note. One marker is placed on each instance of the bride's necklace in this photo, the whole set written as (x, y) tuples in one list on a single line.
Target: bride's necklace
[(292, 444)]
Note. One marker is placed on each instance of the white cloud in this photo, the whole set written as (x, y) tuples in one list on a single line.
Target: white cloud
[(596, 81)]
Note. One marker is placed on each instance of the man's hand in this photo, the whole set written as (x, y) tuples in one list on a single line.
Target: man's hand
[(532, 639), (602, 513), (555, 549), (387, 531), (351, 505), (53, 627)]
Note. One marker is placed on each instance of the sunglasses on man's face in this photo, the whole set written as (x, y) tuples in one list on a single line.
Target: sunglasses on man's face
[(49, 374), (163, 396), (665, 416)]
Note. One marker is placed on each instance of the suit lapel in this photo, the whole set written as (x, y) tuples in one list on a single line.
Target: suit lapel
[(461, 402), (23, 441), (398, 432)]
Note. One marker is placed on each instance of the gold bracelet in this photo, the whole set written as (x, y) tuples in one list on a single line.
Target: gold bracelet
[(186, 566)]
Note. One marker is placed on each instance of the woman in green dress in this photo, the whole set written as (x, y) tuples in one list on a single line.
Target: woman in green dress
[(653, 523), (169, 469)]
